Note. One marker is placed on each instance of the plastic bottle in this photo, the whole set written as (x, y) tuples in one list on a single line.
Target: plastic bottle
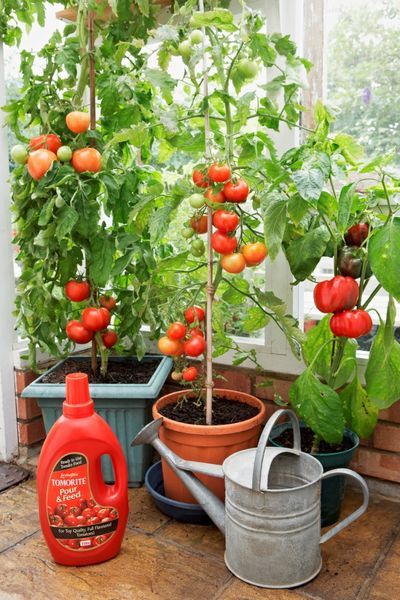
[(82, 518)]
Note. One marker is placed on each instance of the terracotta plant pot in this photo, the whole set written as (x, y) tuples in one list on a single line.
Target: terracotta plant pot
[(206, 443)]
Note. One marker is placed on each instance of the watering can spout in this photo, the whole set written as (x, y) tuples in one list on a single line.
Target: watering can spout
[(182, 468)]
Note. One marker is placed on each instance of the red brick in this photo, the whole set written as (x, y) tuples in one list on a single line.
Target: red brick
[(27, 408), (23, 379), (377, 463), (32, 432), (235, 380), (279, 386), (387, 437), (391, 414)]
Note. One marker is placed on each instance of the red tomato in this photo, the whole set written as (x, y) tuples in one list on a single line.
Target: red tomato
[(77, 291), (225, 220), (214, 196), (92, 520), (254, 253), (71, 521), (199, 224), (351, 323), (106, 316), (82, 503), (233, 263), (236, 191), (108, 302), (75, 510), (93, 319), (103, 512), (219, 173), (78, 333), (87, 512), (194, 313), (113, 513), (61, 509), (56, 521), (86, 159), (81, 520), (98, 540), (222, 243), (77, 121), (50, 511), (109, 338), (336, 294), (176, 331), (196, 331), (194, 346), (357, 234), (170, 347), (73, 544), (106, 520), (39, 162), (96, 509), (190, 374), (200, 179), (51, 142)]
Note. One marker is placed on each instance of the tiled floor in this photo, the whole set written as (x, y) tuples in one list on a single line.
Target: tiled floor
[(161, 559)]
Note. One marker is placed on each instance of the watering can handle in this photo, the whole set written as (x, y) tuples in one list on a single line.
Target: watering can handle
[(263, 442), (354, 515)]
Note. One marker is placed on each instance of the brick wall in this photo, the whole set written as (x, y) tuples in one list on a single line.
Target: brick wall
[(378, 457)]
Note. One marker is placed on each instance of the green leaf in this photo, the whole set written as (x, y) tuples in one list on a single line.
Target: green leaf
[(144, 7), (311, 178), (66, 219), (297, 208), (274, 211), (315, 339), (121, 263), (46, 212), (136, 135), (140, 346), (383, 254), (283, 44), (161, 218), (304, 254), (233, 296), (101, 259), (254, 320), (360, 414), (382, 375), (328, 205), (220, 18), (319, 406), (346, 198), (352, 151)]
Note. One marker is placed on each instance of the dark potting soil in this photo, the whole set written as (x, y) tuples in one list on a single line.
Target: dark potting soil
[(187, 410), (118, 371), (285, 439)]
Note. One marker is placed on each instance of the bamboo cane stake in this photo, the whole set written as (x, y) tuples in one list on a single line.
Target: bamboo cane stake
[(92, 77), (209, 383)]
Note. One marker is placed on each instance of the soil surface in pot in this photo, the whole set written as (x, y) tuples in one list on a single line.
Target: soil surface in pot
[(118, 372), (225, 411), (285, 439)]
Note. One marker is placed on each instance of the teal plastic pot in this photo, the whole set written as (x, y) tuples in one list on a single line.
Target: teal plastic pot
[(332, 490), (125, 407)]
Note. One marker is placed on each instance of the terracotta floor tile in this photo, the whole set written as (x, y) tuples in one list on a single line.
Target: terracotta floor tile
[(146, 569), (18, 514), (238, 590), (349, 557), (386, 584), (142, 511), (202, 538)]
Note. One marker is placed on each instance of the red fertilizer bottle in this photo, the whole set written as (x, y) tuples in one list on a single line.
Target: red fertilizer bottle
[(82, 518)]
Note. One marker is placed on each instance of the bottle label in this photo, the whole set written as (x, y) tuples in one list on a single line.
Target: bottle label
[(75, 518)]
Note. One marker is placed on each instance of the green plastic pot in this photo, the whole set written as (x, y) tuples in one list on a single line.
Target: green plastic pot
[(125, 407), (332, 490)]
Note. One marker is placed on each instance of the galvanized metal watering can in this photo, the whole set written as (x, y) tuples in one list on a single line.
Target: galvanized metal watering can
[(271, 517)]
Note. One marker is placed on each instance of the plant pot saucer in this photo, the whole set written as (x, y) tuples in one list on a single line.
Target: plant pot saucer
[(180, 511)]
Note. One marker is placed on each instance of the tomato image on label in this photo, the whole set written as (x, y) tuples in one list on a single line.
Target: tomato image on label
[(76, 520)]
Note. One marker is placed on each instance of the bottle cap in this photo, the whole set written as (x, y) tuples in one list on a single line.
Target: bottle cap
[(78, 402)]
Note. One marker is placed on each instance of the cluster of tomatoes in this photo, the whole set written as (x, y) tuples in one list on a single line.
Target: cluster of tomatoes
[(93, 318), (84, 513), (220, 188), (46, 148), (340, 294), (185, 340)]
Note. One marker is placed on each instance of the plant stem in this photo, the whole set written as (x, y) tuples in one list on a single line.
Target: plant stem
[(103, 354), (362, 280), (94, 356), (335, 363), (92, 74), (315, 444), (371, 296)]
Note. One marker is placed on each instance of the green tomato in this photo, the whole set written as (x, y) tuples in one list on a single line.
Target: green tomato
[(187, 233), (196, 251), (196, 37), (59, 202), (19, 154), (247, 69), (197, 246), (64, 153), (185, 49), (197, 200)]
